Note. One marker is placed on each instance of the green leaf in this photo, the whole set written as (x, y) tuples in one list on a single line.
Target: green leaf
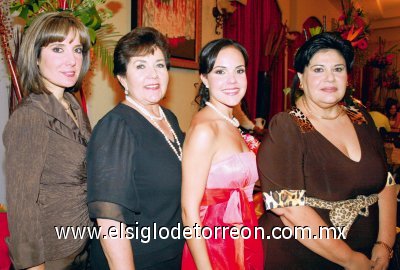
[(286, 90), (92, 35), (35, 8), (24, 13)]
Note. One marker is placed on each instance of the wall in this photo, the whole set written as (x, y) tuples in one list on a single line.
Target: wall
[(105, 93), (295, 12)]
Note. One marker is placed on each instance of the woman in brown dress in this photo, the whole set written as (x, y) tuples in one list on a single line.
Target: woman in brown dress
[(323, 154), (45, 141)]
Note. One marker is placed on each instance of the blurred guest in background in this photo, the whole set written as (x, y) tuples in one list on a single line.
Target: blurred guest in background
[(392, 114), (381, 121)]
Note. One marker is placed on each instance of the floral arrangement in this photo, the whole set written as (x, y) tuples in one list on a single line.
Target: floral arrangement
[(101, 34), (381, 61), (352, 25), (389, 80), (392, 80), (86, 11)]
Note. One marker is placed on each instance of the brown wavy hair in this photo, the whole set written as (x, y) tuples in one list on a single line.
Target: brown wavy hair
[(48, 28)]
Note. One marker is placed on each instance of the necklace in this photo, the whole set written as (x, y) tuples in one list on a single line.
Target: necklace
[(233, 121), (144, 111), (68, 110), (154, 119), (320, 116)]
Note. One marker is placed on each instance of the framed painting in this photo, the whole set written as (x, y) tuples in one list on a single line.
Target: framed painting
[(179, 21)]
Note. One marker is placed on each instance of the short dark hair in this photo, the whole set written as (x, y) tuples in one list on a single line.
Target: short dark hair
[(207, 58), (138, 42), (388, 104), (48, 28), (323, 41)]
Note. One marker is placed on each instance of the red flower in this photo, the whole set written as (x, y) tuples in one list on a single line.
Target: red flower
[(63, 4), (359, 21), (363, 44)]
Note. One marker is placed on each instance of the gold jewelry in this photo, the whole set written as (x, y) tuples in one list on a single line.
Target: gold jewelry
[(389, 249), (301, 85), (320, 116), (68, 109)]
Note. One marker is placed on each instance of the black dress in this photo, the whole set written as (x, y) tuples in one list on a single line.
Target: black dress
[(134, 177), (296, 157)]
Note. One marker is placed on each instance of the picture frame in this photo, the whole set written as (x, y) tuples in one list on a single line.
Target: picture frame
[(179, 21)]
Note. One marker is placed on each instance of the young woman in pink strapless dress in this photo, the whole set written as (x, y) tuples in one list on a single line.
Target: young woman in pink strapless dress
[(219, 170)]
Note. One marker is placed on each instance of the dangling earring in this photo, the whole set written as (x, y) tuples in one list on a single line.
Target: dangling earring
[(126, 92)]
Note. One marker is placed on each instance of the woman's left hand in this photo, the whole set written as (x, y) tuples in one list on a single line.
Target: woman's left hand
[(380, 257)]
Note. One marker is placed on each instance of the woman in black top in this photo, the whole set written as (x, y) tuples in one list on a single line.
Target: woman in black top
[(134, 163)]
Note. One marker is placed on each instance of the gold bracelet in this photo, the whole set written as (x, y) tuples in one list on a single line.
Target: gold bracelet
[(389, 249)]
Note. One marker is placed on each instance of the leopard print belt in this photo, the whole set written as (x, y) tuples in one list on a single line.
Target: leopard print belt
[(343, 213)]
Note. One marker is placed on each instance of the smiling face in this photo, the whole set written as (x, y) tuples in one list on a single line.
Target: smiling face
[(146, 78), (227, 80), (325, 78), (60, 63)]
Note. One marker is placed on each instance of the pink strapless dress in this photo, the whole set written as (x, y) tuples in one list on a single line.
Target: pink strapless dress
[(228, 201)]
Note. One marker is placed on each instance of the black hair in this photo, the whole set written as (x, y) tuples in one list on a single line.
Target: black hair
[(207, 58), (389, 103), (323, 41)]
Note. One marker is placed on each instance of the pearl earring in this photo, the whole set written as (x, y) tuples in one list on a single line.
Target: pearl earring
[(126, 92)]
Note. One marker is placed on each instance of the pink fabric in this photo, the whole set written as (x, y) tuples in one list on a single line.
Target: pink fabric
[(250, 25), (5, 261), (227, 202)]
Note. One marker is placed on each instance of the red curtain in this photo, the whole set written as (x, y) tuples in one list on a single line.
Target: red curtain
[(251, 26)]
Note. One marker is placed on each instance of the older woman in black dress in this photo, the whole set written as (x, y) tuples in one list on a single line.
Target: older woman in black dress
[(324, 154), (134, 162)]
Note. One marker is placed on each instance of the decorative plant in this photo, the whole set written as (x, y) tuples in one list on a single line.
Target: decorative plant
[(389, 79), (381, 61), (352, 25), (100, 34), (381, 58)]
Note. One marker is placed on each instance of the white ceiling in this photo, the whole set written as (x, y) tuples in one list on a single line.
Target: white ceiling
[(383, 14)]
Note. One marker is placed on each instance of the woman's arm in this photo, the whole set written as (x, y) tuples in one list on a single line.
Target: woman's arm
[(118, 251), (387, 227), (335, 250), (197, 157), (25, 138)]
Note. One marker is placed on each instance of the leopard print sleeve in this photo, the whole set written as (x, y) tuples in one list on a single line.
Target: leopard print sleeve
[(390, 180), (284, 198)]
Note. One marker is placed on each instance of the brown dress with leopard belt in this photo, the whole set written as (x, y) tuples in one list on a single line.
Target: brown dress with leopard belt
[(295, 161)]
